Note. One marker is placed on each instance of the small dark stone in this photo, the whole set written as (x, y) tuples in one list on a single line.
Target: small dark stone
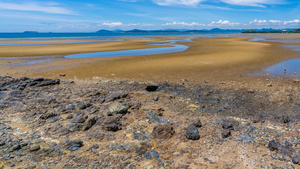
[(197, 123), (78, 119), (230, 124), (69, 116), (15, 148), (152, 87), (89, 123), (163, 131), (73, 145), (112, 123), (2, 143), (226, 133), (155, 98), (152, 154), (273, 145), (296, 159), (115, 96), (192, 132), (34, 148)]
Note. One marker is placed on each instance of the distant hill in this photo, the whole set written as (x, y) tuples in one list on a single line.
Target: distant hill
[(30, 32), (270, 30), (104, 31), (215, 30)]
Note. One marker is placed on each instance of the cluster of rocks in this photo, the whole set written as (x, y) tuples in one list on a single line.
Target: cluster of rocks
[(124, 124)]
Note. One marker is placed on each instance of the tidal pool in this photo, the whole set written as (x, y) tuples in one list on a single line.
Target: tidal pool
[(137, 52), (289, 67)]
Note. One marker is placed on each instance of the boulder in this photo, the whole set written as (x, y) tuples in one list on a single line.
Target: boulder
[(117, 108), (192, 132), (163, 131), (296, 159), (226, 133), (274, 145), (152, 87), (89, 123), (230, 124), (73, 145), (112, 123)]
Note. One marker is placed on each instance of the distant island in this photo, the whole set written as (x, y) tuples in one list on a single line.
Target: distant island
[(30, 32), (214, 30), (272, 31)]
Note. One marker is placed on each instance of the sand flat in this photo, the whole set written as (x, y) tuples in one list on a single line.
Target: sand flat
[(218, 58)]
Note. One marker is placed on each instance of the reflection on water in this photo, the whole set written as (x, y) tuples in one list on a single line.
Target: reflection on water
[(290, 67)]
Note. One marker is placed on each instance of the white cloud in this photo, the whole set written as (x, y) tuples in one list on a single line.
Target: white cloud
[(254, 3), (183, 24), (275, 23), (32, 6), (222, 23), (113, 24), (177, 2), (257, 3)]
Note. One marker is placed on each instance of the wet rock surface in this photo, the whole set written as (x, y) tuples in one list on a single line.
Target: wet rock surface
[(51, 123)]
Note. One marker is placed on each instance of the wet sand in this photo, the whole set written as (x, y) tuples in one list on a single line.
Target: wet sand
[(213, 59)]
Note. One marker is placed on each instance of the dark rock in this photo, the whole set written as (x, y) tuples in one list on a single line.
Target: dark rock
[(74, 127), (163, 131), (115, 96), (40, 82), (230, 124), (152, 87), (34, 148), (69, 116), (2, 143), (152, 155), (192, 132), (117, 108), (226, 133), (54, 119), (82, 106), (89, 123), (197, 123), (17, 94), (274, 145), (78, 119), (112, 123), (296, 159), (95, 146), (283, 118), (15, 148), (155, 98), (258, 118), (73, 145), (46, 116)]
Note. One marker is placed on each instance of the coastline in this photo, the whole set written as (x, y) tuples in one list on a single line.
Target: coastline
[(61, 116)]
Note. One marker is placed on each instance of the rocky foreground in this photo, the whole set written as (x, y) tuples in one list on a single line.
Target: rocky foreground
[(48, 123)]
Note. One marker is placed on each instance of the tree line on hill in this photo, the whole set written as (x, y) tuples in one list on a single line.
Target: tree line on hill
[(272, 31)]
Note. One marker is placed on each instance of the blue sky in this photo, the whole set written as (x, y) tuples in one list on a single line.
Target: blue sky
[(93, 15)]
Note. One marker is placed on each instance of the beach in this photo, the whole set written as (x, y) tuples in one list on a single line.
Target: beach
[(209, 104)]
